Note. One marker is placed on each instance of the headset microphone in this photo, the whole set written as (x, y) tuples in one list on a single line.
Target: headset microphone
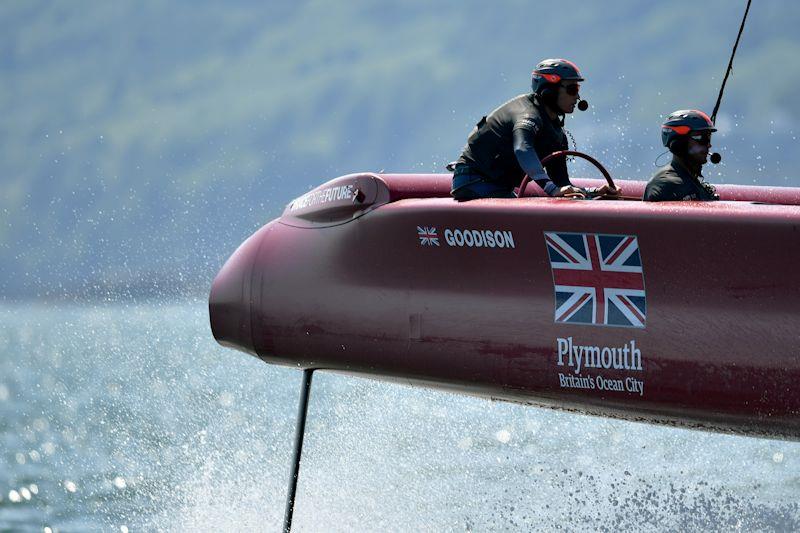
[(583, 105), (715, 158)]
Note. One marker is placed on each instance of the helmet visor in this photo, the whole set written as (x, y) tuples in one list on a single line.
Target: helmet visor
[(701, 137), (572, 89)]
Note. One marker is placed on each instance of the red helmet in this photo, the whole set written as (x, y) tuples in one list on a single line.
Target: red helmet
[(681, 123), (552, 72)]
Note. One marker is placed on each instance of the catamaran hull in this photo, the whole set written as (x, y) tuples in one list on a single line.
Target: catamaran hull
[(684, 314)]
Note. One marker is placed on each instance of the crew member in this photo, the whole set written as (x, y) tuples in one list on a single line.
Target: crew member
[(687, 134), (513, 139)]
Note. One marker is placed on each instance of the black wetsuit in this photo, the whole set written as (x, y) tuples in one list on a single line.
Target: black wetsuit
[(675, 182), (517, 131)]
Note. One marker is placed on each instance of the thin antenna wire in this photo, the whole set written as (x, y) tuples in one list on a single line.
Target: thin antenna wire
[(730, 65), (574, 145)]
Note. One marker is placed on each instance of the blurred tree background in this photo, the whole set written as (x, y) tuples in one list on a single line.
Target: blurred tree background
[(143, 141)]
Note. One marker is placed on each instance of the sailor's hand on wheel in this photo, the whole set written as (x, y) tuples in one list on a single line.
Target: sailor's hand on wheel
[(569, 191), (607, 190)]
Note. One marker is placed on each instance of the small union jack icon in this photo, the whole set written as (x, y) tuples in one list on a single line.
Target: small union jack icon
[(428, 236)]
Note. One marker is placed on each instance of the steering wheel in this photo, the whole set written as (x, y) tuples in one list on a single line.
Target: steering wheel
[(564, 153)]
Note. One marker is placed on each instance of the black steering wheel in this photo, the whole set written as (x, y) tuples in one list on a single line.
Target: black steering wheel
[(564, 153)]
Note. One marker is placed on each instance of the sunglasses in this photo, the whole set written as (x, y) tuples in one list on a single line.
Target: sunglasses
[(701, 138), (572, 89)]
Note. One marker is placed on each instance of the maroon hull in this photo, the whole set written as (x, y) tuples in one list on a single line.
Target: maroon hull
[(693, 319)]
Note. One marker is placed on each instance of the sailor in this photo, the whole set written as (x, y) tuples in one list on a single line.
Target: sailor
[(687, 134), (513, 139)]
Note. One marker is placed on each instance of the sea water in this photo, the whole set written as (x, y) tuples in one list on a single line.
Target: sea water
[(131, 418)]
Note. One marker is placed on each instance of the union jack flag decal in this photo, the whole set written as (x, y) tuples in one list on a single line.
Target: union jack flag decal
[(428, 236), (598, 279)]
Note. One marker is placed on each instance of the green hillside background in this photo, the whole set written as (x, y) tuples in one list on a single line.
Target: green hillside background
[(141, 142)]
